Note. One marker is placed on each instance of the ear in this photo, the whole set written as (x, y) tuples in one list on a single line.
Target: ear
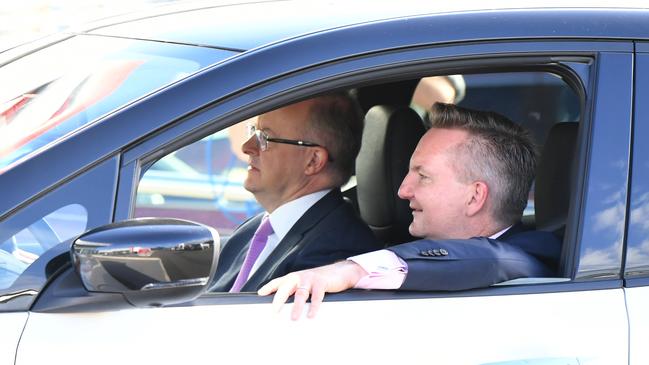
[(317, 160), (478, 192)]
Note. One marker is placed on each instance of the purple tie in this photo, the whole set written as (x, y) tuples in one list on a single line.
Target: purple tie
[(256, 246)]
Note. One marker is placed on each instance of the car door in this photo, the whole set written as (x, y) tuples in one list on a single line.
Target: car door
[(579, 319), (636, 274)]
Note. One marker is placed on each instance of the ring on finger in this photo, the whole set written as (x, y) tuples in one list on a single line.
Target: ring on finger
[(302, 288)]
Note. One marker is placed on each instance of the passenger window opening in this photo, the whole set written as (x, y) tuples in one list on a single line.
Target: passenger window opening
[(203, 181)]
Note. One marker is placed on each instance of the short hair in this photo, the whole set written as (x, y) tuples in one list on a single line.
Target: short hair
[(498, 151), (336, 121)]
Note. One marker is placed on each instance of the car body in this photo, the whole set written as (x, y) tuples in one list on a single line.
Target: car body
[(170, 78)]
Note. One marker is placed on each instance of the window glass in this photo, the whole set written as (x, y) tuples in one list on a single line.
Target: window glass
[(23, 248), (52, 92), (202, 182)]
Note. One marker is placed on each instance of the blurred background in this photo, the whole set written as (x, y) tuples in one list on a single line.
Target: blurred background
[(24, 20)]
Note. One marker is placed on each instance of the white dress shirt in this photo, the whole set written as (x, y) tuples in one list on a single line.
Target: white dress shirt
[(283, 219)]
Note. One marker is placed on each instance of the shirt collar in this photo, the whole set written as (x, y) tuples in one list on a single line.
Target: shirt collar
[(500, 233), (285, 216)]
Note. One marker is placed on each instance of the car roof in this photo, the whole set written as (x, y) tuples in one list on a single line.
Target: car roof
[(243, 26)]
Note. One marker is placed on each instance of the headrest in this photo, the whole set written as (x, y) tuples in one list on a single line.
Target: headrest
[(390, 136), (554, 177), (398, 93)]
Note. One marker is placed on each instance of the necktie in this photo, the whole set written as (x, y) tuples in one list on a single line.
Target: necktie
[(256, 246)]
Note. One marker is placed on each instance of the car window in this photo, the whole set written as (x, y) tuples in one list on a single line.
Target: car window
[(23, 248), (54, 91), (202, 182)]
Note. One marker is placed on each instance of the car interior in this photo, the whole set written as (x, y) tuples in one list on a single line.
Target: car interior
[(542, 101)]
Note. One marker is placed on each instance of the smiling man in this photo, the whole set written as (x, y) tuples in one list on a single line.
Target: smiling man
[(467, 185), (299, 156)]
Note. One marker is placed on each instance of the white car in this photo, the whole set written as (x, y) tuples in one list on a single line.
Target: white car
[(84, 116)]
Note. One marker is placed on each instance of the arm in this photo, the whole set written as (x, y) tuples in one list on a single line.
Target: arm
[(430, 265), (316, 282), (451, 265)]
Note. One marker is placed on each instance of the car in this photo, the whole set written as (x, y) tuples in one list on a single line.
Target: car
[(89, 119)]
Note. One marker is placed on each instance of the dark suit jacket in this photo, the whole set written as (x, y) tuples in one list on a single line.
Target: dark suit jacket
[(478, 262), (327, 232)]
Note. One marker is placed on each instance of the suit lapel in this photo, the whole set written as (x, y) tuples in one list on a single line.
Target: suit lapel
[(293, 239)]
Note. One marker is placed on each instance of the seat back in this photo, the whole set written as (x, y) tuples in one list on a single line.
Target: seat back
[(554, 178), (390, 136)]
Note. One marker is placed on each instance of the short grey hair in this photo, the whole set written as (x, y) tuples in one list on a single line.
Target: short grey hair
[(498, 152), (336, 121)]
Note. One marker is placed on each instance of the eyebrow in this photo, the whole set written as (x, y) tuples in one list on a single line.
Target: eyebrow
[(265, 129), (416, 168), (422, 169)]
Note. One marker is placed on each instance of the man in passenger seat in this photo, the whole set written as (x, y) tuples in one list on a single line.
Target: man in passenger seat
[(299, 156), (467, 185)]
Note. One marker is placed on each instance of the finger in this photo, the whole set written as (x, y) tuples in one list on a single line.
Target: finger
[(317, 295), (284, 290), (301, 295), (269, 288)]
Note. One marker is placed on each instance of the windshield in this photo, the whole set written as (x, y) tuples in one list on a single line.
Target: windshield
[(49, 93)]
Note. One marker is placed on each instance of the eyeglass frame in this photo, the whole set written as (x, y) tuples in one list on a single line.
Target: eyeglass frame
[(263, 139)]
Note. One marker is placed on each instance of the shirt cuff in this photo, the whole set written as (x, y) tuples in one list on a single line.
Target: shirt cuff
[(385, 270)]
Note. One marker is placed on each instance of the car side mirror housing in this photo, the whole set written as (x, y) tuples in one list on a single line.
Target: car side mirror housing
[(151, 261)]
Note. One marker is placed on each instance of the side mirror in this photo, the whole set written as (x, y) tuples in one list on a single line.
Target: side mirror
[(151, 261)]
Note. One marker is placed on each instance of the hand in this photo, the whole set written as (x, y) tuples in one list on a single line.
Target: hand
[(316, 282)]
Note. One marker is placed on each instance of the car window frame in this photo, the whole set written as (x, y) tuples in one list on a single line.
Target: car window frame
[(385, 66)]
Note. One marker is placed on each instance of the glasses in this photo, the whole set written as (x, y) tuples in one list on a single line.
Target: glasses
[(263, 139)]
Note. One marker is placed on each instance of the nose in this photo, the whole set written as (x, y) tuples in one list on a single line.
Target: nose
[(405, 190), (250, 146)]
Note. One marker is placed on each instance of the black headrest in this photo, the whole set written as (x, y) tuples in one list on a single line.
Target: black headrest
[(554, 177), (390, 136), (394, 93)]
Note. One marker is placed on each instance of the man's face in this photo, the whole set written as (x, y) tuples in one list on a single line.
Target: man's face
[(437, 198), (275, 174)]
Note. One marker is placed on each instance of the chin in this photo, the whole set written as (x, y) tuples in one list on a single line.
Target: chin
[(249, 185), (414, 231)]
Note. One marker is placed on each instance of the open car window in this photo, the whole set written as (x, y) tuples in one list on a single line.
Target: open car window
[(203, 181)]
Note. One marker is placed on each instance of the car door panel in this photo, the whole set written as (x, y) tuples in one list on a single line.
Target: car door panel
[(459, 330), (10, 331), (637, 302)]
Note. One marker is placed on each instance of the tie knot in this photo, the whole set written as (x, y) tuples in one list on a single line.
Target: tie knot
[(264, 229)]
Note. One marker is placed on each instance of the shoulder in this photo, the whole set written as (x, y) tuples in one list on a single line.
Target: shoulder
[(545, 246), (531, 235)]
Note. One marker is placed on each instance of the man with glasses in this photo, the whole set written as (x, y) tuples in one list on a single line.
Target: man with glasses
[(299, 157)]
